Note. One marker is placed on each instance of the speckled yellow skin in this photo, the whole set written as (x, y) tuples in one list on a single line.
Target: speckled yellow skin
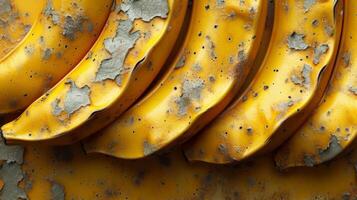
[(172, 177), (26, 73), (336, 115), (107, 98), (17, 23), (257, 122), (221, 44)]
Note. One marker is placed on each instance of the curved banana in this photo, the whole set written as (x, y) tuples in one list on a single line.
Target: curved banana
[(16, 19), (220, 47), (303, 45), (129, 53), (58, 40), (332, 126)]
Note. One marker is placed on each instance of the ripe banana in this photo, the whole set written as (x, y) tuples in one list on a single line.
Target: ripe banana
[(332, 126), (129, 53), (219, 50), (16, 19), (295, 71), (59, 38)]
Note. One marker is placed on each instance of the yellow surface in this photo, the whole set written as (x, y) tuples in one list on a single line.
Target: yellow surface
[(27, 72), (107, 98), (220, 48), (172, 177), (275, 103), (315, 142), (17, 23)]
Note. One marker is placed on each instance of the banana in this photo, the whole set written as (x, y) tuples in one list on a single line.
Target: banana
[(289, 84), (129, 53), (16, 19), (221, 44), (332, 126), (58, 40)]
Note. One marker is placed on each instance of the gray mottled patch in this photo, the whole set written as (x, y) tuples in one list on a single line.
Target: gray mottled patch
[(306, 71), (332, 150), (296, 42), (181, 62), (319, 51), (57, 191), (308, 4), (196, 67), (5, 6), (191, 90), (113, 68), (241, 56), (347, 58), (29, 50), (148, 148), (50, 12), (220, 3), (304, 78), (353, 90), (309, 161), (76, 98), (56, 108), (47, 54), (211, 48), (11, 153), (71, 26), (145, 9), (11, 174), (329, 30)]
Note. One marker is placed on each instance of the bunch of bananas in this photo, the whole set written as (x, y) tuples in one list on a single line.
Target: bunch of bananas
[(224, 81), (134, 78)]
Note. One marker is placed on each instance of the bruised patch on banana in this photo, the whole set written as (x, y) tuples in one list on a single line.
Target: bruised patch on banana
[(296, 42), (9, 15), (308, 4), (333, 149), (145, 10), (75, 99), (191, 91), (319, 51), (71, 24), (304, 78), (118, 47)]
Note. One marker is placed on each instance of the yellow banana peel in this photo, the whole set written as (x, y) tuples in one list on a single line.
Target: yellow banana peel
[(57, 41), (331, 128), (129, 53), (290, 83), (220, 48), (16, 19)]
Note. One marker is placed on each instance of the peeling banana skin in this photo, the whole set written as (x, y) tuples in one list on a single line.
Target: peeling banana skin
[(59, 38), (128, 55), (331, 129), (16, 19), (218, 52), (289, 85)]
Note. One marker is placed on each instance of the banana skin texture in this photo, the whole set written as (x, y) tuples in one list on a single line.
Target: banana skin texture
[(128, 55), (59, 38), (288, 86), (220, 48), (331, 129), (16, 19)]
